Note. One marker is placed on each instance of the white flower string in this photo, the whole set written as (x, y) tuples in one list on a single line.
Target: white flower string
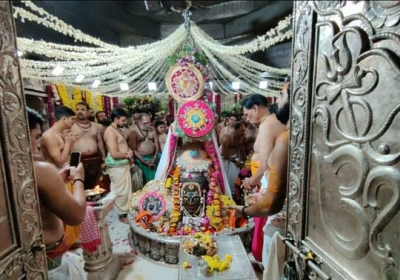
[(145, 63)]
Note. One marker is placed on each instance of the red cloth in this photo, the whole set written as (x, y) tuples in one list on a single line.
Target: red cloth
[(258, 237), (59, 250), (90, 233)]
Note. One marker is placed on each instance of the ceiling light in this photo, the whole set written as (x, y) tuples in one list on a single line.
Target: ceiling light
[(152, 86), (19, 53), (211, 84), (263, 84), (79, 78), (96, 83), (235, 85), (57, 70), (124, 86)]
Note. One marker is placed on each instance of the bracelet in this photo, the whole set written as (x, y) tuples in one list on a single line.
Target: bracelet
[(243, 213), (78, 180)]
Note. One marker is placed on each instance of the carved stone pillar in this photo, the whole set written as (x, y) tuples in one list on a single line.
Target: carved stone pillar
[(101, 264)]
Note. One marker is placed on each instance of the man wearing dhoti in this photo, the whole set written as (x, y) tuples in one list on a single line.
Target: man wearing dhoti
[(118, 162), (143, 142), (256, 108), (272, 201), (89, 143)]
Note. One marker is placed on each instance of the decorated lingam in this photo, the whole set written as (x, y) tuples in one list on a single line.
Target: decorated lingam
[(190, 193)]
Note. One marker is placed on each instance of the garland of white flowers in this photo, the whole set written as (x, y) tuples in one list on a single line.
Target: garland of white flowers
[(145, 63), (261, 43)]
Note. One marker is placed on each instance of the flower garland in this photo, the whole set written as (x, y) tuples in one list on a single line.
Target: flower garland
[(176, 213), (99, 103), (216, 215), (62, 92), (146, 62), (77, 97), (192, 55), (89, 99), (261, 43), (138, 104)]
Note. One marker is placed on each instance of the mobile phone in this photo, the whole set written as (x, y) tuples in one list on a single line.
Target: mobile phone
[(75, 159)]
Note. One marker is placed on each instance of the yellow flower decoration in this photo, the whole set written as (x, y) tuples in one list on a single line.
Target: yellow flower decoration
[(226, 201), (77, 97), (214, 263), (99, 102), (168, 183), (62, 92), (89, 99)]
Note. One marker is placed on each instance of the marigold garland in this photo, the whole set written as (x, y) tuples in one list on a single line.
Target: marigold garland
[(176, 208), (62, 92), (99, 102), (89, 99), (77, 97)]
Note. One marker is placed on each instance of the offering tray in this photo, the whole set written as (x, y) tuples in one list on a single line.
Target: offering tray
[(95, 194), (240, 268)]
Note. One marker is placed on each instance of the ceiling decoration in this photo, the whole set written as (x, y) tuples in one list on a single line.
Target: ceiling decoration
[(139, 65)]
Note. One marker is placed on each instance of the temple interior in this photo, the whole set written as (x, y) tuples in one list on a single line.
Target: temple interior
[(237, 140)]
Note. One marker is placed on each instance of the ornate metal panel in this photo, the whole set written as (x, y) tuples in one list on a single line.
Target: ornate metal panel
[(344, 190), (21, 244)]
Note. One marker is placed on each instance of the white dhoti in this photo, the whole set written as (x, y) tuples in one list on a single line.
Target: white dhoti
[(121, 187), (276, 259), (269, 231), (275, 224), (71, 268)]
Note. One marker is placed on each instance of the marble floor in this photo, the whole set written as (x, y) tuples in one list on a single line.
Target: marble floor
[(134, 266)]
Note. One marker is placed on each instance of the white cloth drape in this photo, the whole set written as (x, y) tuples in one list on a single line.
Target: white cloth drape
[(162, 169)]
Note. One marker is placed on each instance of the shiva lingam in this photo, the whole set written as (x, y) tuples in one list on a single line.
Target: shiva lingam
[(187, 202)]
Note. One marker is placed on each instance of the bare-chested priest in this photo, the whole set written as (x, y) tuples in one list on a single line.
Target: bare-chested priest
[(89, 143), (57, 205), (143, 143), (256, 108), (56, 145), (118, 162), (272, 202)]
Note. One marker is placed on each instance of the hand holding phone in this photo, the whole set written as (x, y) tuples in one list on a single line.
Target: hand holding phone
[(75, 159), (77, 172)]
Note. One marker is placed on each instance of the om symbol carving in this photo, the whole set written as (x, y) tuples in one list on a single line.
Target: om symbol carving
[(344, 96)]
